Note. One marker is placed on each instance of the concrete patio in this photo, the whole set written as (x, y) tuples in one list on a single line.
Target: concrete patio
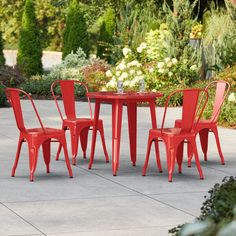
[(95, 202)]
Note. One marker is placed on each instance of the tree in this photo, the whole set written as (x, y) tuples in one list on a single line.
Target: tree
[(107, 30), (2, 59), (75, 34), (30, 49)]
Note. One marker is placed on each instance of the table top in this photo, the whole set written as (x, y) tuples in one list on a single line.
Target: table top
[(136, 96)]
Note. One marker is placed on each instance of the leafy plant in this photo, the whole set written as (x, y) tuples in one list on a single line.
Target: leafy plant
[(107, 30), (134, 20), (30, 50), (217, 212), (51, 20), (10, 15), (2, 58), (77, 59), (219, 41), (38, 85), (3, 99), (69, 69), (128, 70), (94, 74), (75, 34), (179, 23)]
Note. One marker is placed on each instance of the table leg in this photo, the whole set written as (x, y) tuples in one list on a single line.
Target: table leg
[(94, 135), (132, 122), (154, 126), (116, 132)]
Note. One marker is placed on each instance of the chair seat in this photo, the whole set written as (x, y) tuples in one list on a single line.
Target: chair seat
[(171, 132), (48, 131), (201, 124), (80, 120)]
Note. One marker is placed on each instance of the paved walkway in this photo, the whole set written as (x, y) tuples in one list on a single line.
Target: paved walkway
[(94, 202), (49, 58)]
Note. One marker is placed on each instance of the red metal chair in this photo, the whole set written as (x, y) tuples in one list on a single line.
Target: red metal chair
[(205, 126), (35, 137), (78, 127), (174, 138)]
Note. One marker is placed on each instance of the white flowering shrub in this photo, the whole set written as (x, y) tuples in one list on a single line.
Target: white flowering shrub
[(170, 71), (128, 70), (232, 98), (155, 44)]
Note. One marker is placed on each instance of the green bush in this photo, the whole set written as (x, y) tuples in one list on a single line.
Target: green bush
[(168, 54), (69, 69), (38, 85), (218, 212), (75, 34), (107, 30), (94, 74), (30, 50), (2, 58), (3, 98), (134, 20), (72, 60), (219, 41)]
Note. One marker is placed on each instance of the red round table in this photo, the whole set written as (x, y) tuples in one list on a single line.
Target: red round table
[(118, 100)]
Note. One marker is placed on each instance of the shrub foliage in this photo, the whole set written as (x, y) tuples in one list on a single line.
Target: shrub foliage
[(30, 50), (75, 34), (2, 58), (107, 30), (217, 212)]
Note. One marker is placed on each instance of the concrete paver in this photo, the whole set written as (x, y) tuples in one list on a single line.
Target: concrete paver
[(95, 202)]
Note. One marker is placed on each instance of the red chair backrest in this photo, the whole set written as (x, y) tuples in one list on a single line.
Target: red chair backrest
[(68, 96), (192, 108), (13, 96), (221, 90)]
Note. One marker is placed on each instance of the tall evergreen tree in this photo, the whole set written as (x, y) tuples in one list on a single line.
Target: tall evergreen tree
[(75, 34), (30, 49), (107, 30), (2, 58)]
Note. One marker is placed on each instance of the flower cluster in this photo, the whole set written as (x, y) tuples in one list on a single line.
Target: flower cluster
[(196, 32), (169, 71), (128, 71), (232, 97)]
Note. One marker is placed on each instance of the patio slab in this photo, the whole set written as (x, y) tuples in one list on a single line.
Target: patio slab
[(95, 202)]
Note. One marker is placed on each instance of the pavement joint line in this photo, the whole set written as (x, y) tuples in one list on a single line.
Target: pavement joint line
[(142, 194), (116, 229), (22, 218), (7, 136), (219, 170), (69, 199), (156, 194), (24, 234)]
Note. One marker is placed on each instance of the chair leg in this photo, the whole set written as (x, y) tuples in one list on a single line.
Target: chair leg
[(147, 155), (63, 143), (84, 140), (190, 154), (46, 153), (33, 159), (171, 156), (20, 141), (58, 152), (101, 130), (215, 131), (60, 146), (179, 155), (74, 144), (203, 134), (195, 152)]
